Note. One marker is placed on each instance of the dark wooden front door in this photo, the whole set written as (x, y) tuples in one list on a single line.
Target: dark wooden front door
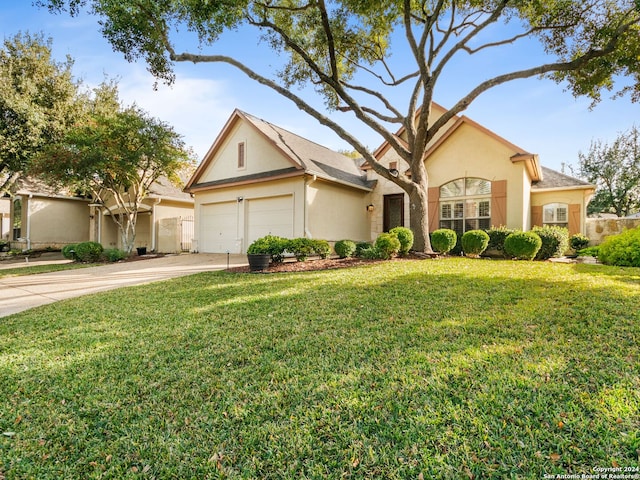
[(393, 211)]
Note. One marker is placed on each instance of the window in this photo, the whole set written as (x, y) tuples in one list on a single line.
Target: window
[(241, 155), (17, 218), (465, 204), (556, 214)]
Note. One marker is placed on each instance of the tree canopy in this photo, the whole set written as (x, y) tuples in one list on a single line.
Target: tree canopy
[(39, 100), (114, 154), (343, 49), (615, 170)]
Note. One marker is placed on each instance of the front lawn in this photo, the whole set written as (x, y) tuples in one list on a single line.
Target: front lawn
[(449, 368)]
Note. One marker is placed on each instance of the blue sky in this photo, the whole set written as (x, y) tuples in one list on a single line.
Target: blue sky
[(537, 115)]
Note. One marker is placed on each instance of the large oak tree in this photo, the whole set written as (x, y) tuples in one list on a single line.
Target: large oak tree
[(342, 48)]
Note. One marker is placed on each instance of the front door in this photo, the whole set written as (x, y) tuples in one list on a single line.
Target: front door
[(393, 215)]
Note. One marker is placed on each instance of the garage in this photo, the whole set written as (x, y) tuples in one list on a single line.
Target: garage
[(269, 216), (219, 228)]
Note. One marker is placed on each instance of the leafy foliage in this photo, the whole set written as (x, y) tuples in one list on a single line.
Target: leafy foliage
[(361, 247), (622, 250), (474, 242), (345, 248), (405, 236), (387, 245), (68, 251), (522, 245), (555, 241), (341, 49), (497, 236), (88, 252), (302, 248), (269, 244), (578, 241), (443, 240), (113, 255), (615, 170), (321, 248)]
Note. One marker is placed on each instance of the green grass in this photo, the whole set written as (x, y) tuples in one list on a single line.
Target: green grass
[(34, 269), (449, 368)]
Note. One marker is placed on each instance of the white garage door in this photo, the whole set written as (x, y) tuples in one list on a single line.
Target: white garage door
[(269, 216), (219, 228)]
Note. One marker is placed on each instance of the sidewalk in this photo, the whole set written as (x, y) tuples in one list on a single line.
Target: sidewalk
[(24, 292)]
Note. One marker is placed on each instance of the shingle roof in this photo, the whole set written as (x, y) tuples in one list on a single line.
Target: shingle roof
[(312, 157), (554, 179)]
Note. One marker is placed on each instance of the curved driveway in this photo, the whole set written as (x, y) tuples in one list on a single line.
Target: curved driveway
[(22, 293)]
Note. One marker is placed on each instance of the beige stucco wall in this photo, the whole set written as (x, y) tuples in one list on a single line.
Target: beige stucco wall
[(53, 222), (291, 186), (468, 152), (336, 213), (540, 199), (260, 155)]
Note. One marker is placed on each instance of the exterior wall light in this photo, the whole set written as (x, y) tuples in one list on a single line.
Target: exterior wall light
[(393, 172), (370, 207)]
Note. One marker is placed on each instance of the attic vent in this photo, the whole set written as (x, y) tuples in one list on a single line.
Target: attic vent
[(241, 155)]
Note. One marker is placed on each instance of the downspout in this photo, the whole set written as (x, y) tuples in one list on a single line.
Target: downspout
[(307, 233)]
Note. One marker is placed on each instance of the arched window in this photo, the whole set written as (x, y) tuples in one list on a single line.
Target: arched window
[(556, 214), (465, 204)]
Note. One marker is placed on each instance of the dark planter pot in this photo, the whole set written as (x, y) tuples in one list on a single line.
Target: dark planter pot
[(142, 250), (258, 261)]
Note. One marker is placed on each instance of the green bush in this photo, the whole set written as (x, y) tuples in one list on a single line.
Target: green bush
[(622, 250), (69, 252), (301, 248), (522, 245), (113, 255), (321, 248), (593, 251), (345, 248), (387, 245), (370, 253), (578, 242), (497, 236), (443, 240), (88, 252), (269, 244), (405, 235), (555, 241), (360, 247), (474, 242)]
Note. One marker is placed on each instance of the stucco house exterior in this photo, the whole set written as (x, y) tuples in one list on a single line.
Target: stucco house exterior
[(42, 216), (259, 179)]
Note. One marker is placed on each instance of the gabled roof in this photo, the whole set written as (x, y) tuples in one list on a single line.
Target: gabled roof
[(556, 180), (306, 157)]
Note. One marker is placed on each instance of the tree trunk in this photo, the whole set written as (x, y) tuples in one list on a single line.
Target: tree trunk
[(419, 218)]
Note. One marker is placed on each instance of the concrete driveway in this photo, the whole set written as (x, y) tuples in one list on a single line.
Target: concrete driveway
[(22, 293)]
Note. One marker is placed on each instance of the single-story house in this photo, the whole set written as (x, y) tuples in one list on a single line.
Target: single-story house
[(42, 216), (259, 179)]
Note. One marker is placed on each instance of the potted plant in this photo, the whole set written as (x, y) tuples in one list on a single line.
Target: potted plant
[(259, 255)]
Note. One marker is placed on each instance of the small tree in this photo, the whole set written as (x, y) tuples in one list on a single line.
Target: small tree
[(615, 170), (115, 156)]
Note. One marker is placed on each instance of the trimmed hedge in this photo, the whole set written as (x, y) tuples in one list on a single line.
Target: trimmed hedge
[(405, 236), (345, 248), (474, 242), (88, 252), (622, 250), (361, 247), (387, 245), (69, 252), (522, 245), (578, 242), (269, 244), (321, 248), (497, 236), (443, 240), (113, 255), (555, 241)]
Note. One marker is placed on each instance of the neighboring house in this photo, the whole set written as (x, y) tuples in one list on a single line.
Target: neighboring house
[(42, 217), (260, 179)]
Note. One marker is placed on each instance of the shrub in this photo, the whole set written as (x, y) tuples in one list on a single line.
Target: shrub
[(301, 248), (589, 252), (622, 250), (387, 245), (522, 245), (88, 252), (113, 255), (360, 246), (497, 236), (370, 253), (555, 241), (578, 241), (405, 235), (321, 248), (345, 248), (443, 240), (269, 244), (474, 242), (69, 252)]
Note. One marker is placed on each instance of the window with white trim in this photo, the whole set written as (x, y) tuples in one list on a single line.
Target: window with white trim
[(465, 204), (556, 214)]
